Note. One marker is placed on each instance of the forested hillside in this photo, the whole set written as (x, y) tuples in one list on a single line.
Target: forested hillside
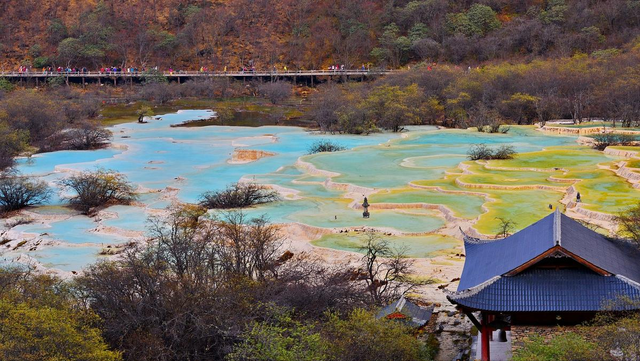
[(304, 34)]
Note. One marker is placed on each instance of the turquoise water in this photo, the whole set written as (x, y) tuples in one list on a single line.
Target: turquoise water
[(156, 156), (74, 230), (335, 214), (398, 162), (129, 218), (463, 205), (67, 258)]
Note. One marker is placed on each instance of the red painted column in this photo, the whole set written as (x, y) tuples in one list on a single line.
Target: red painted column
[(486, 338)]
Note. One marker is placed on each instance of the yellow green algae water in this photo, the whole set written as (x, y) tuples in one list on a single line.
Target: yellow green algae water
[(626, 147), (633, 163), (463, 206), (419, 183), (412, 246)]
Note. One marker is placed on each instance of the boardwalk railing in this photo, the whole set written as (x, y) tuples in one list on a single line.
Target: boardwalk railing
[(97, 74)]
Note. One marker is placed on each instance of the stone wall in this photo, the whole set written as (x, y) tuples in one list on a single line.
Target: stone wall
[(520, 334)]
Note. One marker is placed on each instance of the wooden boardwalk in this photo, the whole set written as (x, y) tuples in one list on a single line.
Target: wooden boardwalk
[(198, 74)]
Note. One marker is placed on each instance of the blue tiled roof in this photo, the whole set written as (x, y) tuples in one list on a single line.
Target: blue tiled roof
[(488, 259), (551, 290), (616, 257)]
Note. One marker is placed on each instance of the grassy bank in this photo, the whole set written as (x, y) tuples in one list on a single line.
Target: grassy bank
[(246, 111)]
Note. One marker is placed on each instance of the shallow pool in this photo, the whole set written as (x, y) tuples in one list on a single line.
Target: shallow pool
[(183, 163)]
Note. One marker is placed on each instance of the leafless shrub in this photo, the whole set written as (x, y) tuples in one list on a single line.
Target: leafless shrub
[(238, 195), (159, 92), (275, 92), (324, 107), (98, 188), (603, 140), (18, 192), (629, 224), (482, 152), (325, 146), (87, 135)]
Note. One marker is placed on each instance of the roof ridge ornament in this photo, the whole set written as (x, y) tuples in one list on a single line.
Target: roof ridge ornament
[(473, 290), (557, 227), (401, 302), (473, 240), (629, 281)]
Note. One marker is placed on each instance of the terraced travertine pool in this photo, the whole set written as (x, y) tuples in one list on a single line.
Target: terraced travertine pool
[(420, 184)]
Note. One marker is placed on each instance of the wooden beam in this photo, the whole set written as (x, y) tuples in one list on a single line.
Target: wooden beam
[(472, 318), (557, 249), (587, 264)]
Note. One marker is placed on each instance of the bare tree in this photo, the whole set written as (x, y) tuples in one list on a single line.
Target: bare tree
[(311, 286), (276, 92), (164, 300), (33, 112), (87, 135), (385, 269), (247, 247), (324, 107), (189, 291), (629, 224), (505, 227)]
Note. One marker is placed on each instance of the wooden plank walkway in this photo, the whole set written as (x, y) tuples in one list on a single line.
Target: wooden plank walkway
[(197, 74)]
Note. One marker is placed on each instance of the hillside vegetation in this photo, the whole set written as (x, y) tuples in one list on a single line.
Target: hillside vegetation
[(305, 34)]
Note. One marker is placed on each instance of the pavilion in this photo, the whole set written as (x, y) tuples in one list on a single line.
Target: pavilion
[(556, 271)]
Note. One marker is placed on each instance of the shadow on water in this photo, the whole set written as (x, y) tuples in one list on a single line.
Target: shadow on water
[(248, 118)]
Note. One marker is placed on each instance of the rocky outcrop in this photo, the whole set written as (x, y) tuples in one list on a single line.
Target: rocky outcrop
[(312, 170), (348, 188), (621, 153), (632, 175), (242, 156), (573, 131), (585, 131)]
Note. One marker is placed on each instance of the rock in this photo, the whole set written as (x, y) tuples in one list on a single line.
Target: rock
[(241, 156)]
